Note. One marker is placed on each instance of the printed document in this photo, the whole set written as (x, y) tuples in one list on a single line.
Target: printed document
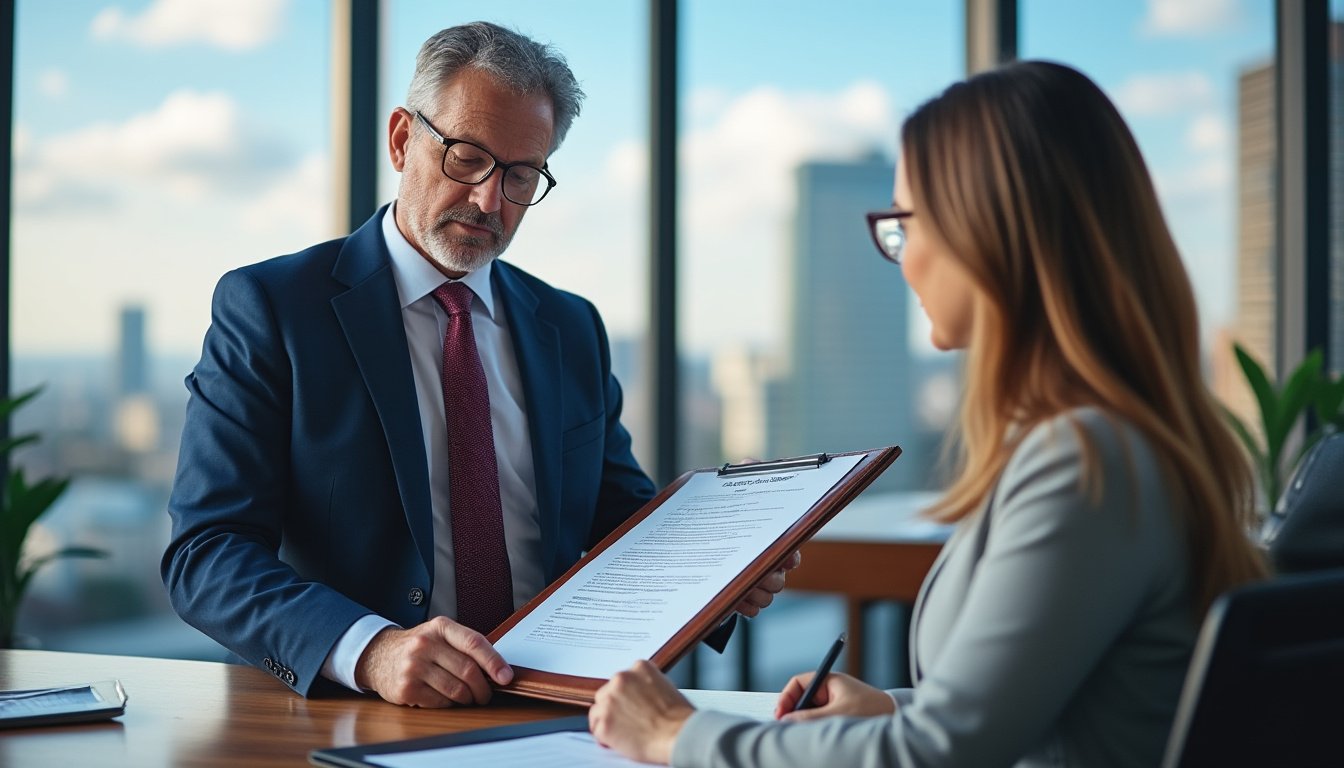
[(632, 598)]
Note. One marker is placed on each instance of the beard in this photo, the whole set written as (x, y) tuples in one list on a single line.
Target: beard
[(462, 253)]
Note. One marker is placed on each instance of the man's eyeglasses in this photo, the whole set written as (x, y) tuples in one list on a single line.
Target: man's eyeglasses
[(889, 233), (467, 163)]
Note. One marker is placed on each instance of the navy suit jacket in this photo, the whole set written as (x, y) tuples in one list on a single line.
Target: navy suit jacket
[(301, 501)]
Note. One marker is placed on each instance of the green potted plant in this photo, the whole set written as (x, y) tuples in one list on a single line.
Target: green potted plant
[(21, 504), (1309, 387)]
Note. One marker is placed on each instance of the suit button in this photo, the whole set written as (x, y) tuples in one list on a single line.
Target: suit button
[(290, 677), (268, 664), (416, 596)]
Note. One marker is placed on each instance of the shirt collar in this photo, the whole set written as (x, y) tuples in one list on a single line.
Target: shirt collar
[(416, 278)]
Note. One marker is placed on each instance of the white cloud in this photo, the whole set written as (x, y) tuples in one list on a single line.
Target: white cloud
[(193, 144), (742, 163), (22, 140), (1190, 17), (737, 193), (234, 25), (53, 83), (1162, 94), (152, 209), (705, 102), (627, 167), (1208, 181), (1209, 132), (301, 199)]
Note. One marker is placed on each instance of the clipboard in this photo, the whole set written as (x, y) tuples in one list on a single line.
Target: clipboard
[(358, 757), (81, 703), (577, 689)]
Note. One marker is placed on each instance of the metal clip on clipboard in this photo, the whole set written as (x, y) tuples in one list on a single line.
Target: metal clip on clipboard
[(811, 461)]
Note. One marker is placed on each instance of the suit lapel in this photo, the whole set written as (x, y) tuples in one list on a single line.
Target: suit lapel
[(917, 613), (370, 315), (536, 345)]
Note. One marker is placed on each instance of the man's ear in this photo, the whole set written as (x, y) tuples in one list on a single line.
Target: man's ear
[(398, 136)]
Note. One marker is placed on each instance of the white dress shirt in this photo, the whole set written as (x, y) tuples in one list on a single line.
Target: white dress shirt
[(426, 323)]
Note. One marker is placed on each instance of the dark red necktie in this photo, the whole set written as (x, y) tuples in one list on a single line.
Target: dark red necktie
[(484, 582)]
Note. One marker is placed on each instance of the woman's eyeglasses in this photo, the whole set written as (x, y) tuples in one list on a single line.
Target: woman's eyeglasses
[(889, 233)]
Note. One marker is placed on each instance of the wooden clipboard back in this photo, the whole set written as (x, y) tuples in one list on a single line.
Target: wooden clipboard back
[(572, 689)]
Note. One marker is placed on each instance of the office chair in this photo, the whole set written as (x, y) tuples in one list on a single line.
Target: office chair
[(1306, 530), (1266, 683)]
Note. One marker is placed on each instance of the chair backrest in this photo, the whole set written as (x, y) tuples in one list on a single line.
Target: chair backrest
[(1306, 530), (1266, 683)]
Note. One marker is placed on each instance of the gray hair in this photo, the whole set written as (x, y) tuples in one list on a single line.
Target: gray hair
[(510, 57)]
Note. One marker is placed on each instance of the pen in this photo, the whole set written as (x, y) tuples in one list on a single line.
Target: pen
[(822, 672)]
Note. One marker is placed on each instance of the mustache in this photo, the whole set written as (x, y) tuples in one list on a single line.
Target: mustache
[(473, 216)]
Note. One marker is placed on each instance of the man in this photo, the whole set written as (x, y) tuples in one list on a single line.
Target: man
[(394, 440)]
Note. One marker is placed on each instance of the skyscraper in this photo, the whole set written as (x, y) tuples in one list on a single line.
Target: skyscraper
[(1257, 146), (132, 359), (848, 378)]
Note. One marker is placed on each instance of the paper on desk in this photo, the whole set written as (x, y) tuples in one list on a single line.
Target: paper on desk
[(565, 748), (753, 704), (639, 592)]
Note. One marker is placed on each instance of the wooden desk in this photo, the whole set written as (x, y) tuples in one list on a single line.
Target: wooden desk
[(206, 714), (877, 548)]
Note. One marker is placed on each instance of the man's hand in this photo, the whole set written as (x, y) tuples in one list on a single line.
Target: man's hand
[(639, 713), (765, 590), (839, 694), (437, 664)]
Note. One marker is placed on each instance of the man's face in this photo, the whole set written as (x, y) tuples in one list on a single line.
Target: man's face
[(461, 227)]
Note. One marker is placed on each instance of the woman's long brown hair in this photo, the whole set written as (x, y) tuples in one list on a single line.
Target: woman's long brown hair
[(1031, 177)]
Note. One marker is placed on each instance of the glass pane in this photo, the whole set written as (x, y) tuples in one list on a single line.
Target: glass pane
[(152, 152), (590, 234), (1195, 83), (797, 337)]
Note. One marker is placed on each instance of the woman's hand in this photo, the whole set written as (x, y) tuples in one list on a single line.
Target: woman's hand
[(639, 713), (840, 694)]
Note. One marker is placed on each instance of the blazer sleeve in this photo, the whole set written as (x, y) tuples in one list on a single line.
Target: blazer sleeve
[(222, 567), (1065, 570)]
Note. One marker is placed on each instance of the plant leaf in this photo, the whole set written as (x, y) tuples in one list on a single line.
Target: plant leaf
[(1249, 443), (37, 563), (12, 404), (1263, 390), (10, 443), (1298, 393), (28, 502), (1329, 399)]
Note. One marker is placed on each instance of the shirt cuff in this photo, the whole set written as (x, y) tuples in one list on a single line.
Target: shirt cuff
[(344, 656)]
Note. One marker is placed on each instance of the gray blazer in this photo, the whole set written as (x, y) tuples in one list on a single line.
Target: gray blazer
[(1054, 629)]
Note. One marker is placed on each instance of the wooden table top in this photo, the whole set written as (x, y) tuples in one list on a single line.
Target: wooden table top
[(196, 713)]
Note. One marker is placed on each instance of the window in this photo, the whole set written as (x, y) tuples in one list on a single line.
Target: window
[(1195, 82), (796, 337), (590, 234), (153, 151)]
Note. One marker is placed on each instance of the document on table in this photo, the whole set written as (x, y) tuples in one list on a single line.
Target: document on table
[(565, 748), (636, 594), (758, 705)]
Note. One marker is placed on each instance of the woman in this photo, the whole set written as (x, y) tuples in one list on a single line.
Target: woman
[(1100, 502)]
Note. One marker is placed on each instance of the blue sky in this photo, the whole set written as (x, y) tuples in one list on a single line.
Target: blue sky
[(161, 142)]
